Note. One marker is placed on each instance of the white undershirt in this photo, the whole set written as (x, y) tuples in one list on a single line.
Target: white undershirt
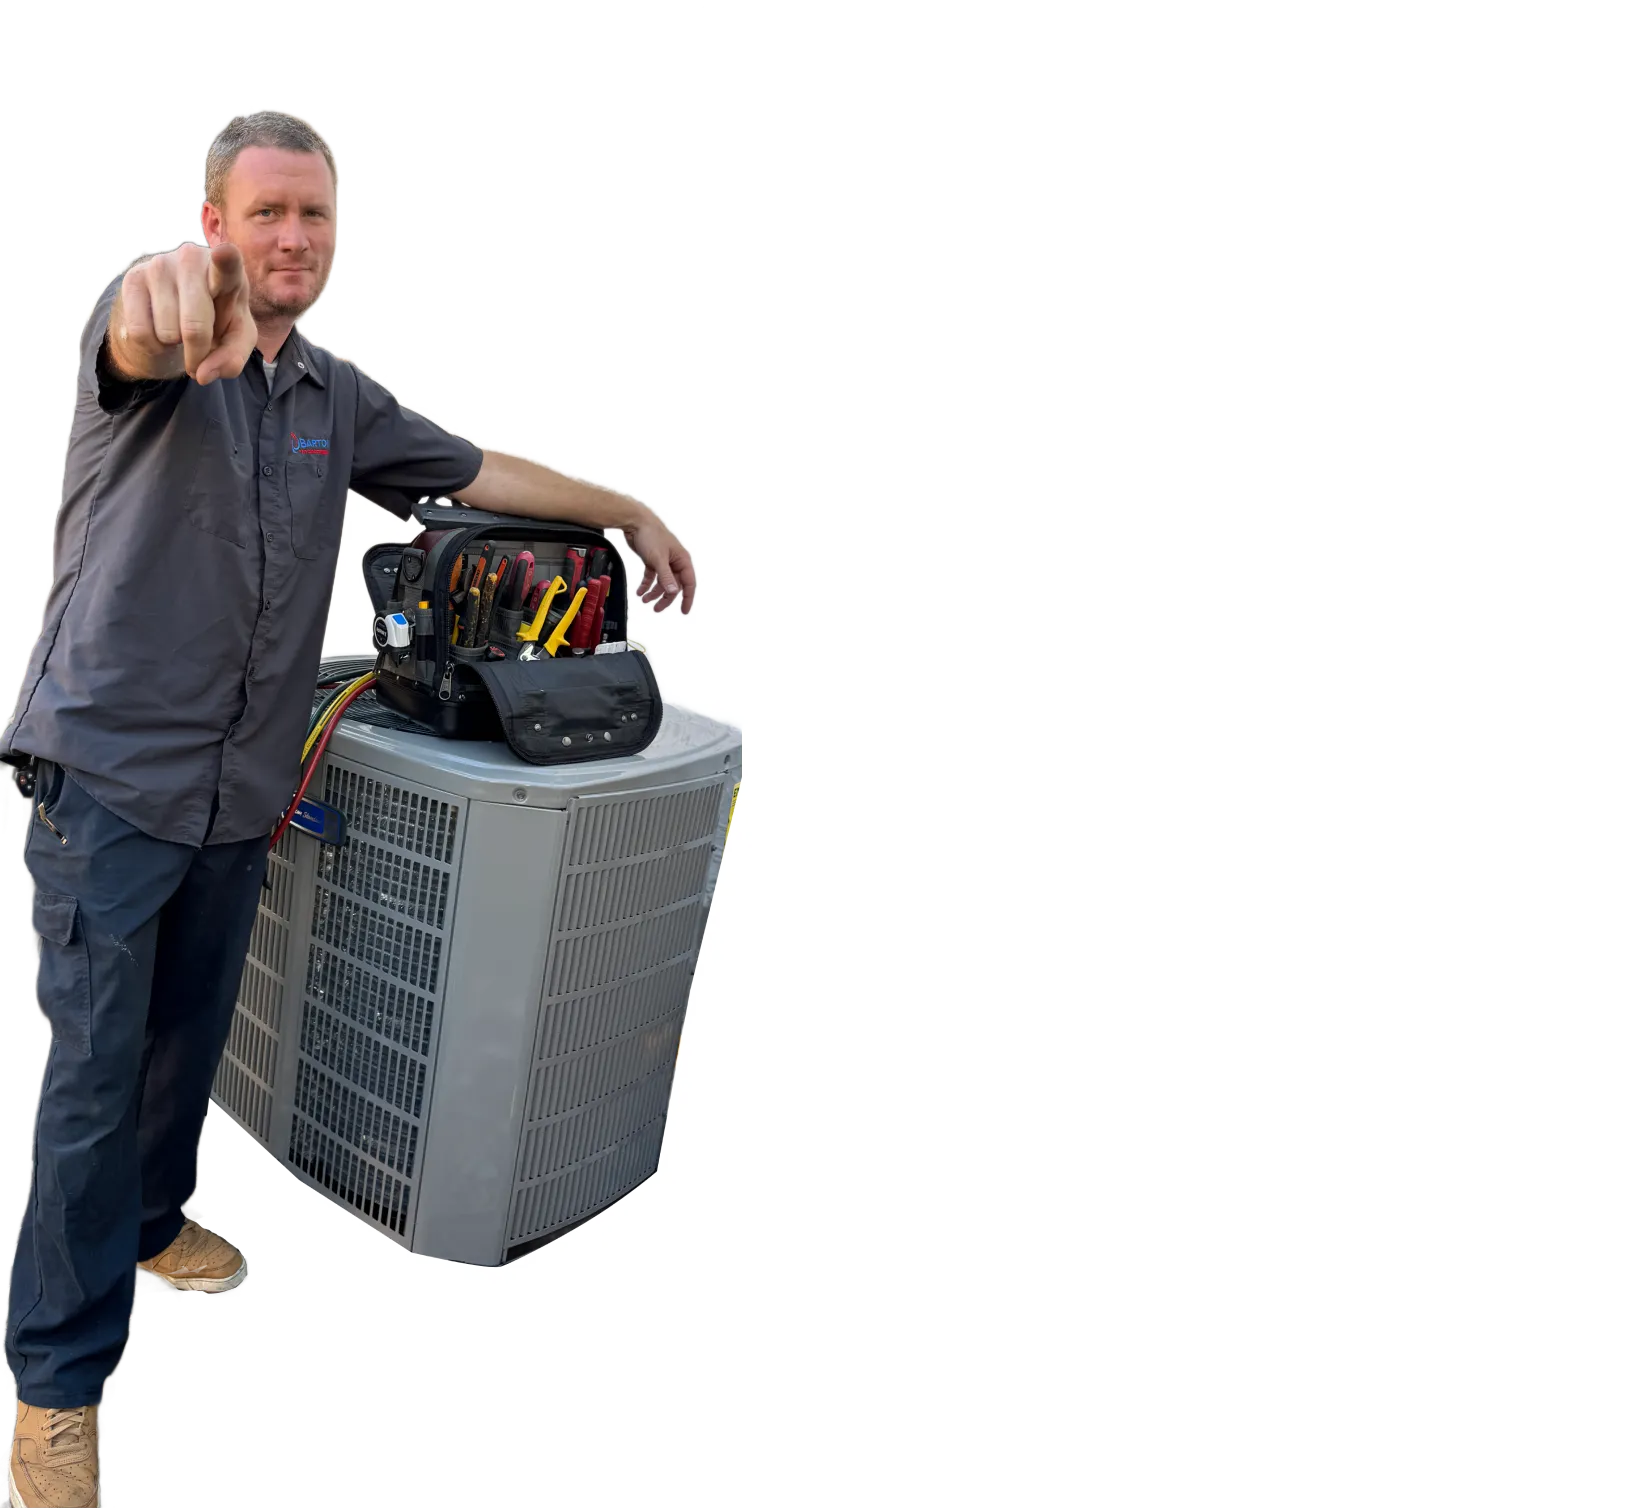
[(269, 368)]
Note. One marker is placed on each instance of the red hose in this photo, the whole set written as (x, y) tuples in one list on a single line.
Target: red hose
[(313, 761)]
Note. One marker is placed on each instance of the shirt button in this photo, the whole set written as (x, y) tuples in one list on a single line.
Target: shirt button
[(250, 674), (267, 471), (270, 537), (267, 603)]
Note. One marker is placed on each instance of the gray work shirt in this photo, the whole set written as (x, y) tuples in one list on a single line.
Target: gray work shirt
[(195, 554)]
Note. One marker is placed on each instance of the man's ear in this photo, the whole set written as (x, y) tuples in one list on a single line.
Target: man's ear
[(210, 221)]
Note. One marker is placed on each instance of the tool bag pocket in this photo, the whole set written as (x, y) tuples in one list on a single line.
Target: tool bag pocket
[(565, 710), (381, 574)]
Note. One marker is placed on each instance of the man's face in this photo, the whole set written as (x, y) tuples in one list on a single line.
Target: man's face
[(280, 211)]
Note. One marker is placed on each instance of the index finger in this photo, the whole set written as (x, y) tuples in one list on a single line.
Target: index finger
[(227, 270), (196, 315)]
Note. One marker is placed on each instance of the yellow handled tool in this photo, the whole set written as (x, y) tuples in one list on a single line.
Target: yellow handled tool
[(556, 642), (532, 630)]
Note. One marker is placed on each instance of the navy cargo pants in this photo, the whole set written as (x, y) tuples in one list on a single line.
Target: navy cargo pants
[(141, 947)]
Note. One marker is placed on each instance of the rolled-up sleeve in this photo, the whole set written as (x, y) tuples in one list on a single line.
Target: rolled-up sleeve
[(399, 457)]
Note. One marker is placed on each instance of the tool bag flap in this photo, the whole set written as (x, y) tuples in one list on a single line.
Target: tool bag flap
[(586, 708)]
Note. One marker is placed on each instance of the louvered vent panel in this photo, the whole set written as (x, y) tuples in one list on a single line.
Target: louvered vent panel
[(584, 1187)]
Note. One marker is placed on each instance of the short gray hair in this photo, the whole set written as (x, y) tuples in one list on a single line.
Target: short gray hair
[(267, 128)]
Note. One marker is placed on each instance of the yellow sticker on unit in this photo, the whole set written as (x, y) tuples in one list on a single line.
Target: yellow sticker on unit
[(734, 797)]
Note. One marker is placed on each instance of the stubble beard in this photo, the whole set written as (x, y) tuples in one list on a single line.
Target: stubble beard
[(266, 307)]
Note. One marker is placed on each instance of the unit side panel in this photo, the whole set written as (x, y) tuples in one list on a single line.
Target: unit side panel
[(509, 866), (626, 926)]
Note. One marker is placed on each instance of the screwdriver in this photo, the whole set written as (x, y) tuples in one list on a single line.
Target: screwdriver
[(486, 606), (469, 618), (518, 584), (458, 595), (472, 595)]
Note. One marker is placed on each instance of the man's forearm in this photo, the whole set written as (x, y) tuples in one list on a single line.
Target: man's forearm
[(510, 485)]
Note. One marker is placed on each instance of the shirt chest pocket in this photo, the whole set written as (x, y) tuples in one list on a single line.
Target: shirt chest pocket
[(315, 507), (219, 498)]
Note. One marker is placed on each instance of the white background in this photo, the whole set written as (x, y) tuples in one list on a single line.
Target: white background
[(1163, 483)]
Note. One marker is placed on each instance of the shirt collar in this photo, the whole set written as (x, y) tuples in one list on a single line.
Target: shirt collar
[(296, 351)]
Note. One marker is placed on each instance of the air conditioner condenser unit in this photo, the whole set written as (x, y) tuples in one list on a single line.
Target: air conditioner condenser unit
[(462, 1023)]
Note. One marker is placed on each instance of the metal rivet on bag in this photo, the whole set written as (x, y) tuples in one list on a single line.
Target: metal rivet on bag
[(567, 739), (608, 735), (538, 728)]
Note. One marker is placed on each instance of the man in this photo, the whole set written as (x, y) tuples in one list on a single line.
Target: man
[(162, 717)]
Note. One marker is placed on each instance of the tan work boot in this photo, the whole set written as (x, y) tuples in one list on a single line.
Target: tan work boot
[(198, 1260), (54, 1457)]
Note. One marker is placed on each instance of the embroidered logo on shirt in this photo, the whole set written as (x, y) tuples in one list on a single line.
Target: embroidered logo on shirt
[(303, 446)]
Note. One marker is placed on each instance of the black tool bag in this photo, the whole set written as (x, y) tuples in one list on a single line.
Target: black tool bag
[(575, 704)]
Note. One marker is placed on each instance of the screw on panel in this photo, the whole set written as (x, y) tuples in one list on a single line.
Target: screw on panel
[(519, 793)]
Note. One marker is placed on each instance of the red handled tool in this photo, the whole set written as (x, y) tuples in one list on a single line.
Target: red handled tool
[(581, 639), (518, 583), (597, 636)]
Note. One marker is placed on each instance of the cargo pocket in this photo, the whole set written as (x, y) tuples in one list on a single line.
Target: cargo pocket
[(218, 502), (65, 970)]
